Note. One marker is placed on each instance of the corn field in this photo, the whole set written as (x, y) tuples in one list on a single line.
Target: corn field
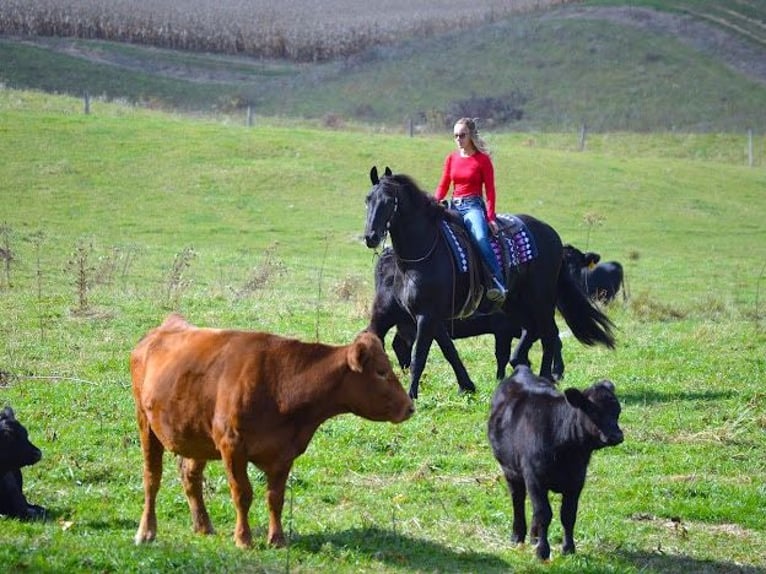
[(300, 30)]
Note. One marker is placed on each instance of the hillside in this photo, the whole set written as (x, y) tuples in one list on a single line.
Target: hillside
[(609, 67)]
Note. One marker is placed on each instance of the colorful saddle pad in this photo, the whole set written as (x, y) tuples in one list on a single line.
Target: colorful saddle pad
[(519, 243), (458, 249), (518, 240)]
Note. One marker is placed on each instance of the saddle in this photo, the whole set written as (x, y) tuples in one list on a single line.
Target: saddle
[(513, 246)]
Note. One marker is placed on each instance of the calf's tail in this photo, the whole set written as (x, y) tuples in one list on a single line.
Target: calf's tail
[(586, 321)]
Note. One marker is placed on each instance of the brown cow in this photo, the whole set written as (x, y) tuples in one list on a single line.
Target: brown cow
[(244, 396)]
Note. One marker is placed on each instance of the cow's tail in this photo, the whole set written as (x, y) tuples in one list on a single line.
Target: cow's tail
[(586, 321)]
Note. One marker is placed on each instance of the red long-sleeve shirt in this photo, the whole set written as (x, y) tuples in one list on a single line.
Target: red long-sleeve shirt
[(469, 175)]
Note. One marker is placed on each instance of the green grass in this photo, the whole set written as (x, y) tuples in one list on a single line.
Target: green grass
[(126, 191), (569, 71)]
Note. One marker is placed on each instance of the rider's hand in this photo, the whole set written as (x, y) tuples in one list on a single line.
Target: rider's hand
[(493, 227)]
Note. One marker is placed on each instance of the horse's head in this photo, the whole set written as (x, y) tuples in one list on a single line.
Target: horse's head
[(382, 204)]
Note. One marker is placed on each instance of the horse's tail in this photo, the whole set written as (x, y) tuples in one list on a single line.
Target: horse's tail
[(586, 321)]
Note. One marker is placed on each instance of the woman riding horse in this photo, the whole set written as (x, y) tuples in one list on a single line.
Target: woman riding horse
[(428, 288)]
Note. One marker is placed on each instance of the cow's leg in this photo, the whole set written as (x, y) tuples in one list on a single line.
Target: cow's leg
[(152, 451), (191, 476), (541, 518), (12, 500), (447, 346), (235, 463), (276, 479), (16, 499), (518, 494), (569, 503)]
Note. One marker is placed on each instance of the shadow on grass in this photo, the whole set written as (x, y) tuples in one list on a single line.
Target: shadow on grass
[(111, 525), (651, 397), (400, 550), (655, 562)]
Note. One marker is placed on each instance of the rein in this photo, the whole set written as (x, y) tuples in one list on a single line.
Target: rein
[(426, 256)]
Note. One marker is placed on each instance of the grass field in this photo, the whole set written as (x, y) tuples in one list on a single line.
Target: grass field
[(116, 218)]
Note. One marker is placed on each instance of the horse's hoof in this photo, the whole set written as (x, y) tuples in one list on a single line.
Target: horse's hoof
[(35, 512), (467, 389)]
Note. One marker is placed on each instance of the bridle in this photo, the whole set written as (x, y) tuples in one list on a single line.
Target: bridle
[(388, 227), (393, 212)]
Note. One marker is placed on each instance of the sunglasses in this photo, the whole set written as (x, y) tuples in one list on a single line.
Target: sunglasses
[(460, 135)]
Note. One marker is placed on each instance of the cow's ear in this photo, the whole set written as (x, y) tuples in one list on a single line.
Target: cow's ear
[(388, 172), (575, 398), (359, 353), (607, 384)]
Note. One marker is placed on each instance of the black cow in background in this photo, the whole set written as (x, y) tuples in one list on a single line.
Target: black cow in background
[(16, 451), (543, 440), (601, 281)]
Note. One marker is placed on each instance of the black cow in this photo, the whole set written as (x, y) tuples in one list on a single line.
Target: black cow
[(543, 440), (601, 281), (16, 452)]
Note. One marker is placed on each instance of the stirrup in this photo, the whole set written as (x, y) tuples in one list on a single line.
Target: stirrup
[(496, 293)]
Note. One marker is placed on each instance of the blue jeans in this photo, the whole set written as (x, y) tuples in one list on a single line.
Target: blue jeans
[(475, 219)]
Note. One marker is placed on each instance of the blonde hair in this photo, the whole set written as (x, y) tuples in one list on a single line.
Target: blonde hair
[(473, 133)]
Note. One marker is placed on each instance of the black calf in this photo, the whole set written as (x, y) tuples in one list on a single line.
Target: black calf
[(543, 440)]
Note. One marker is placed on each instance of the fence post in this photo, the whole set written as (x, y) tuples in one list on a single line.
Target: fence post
[(411, 126), (583, 132), (86, 102), (249, 116), (750, 148)]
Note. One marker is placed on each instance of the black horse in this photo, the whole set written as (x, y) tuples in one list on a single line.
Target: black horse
[(428, 289)]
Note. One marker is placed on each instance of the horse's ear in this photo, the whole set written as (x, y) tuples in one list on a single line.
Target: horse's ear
[(388, 172), (374, 175)]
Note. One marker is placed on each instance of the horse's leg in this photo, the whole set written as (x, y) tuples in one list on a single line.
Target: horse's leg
[(520, 355), (380, 326), (403, 350), (447, 346), (503, 342), (557, 368), (551, 353), (422, 345)]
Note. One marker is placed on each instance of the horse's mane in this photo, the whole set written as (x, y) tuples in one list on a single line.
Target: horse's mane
[(419, 199)]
